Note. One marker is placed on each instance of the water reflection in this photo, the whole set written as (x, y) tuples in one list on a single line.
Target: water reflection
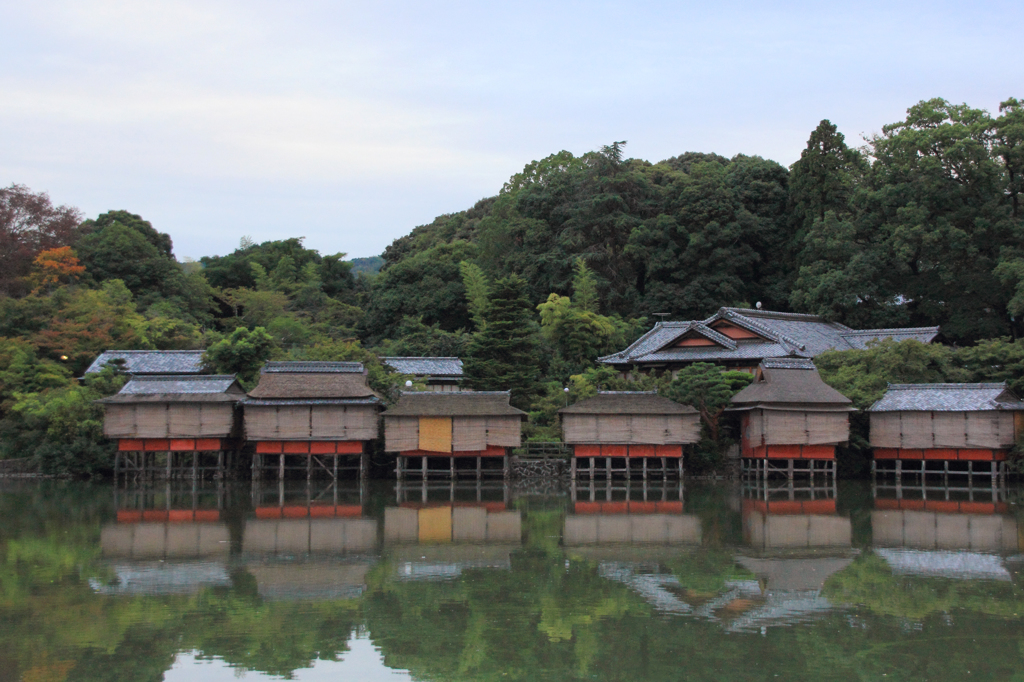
[(615, 580), (954, 532)]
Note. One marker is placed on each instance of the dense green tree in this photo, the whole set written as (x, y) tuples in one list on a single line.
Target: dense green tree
[(243, 353), (118, 251), (503, 357), (427, 285), (707, 388)]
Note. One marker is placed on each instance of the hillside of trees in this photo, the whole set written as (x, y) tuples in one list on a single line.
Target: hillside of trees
[(922, 225)]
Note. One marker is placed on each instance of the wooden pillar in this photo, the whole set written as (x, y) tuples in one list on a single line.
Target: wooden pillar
[(507, 468), (170, 460), (608, 468), (451, 468), (117, 467), (789, 469), (664, 468), (479, 469), (399, 467), (424, 468), (221, 473), (195, 465), (645, 470), (680, 469), (280, 467), (309, 468)]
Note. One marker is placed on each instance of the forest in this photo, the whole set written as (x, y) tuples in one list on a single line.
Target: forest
[(920, 225)]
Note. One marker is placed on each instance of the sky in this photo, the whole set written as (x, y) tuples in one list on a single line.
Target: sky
[(350, 123)]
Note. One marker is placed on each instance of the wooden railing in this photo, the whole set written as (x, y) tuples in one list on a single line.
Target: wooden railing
[(542, 450)]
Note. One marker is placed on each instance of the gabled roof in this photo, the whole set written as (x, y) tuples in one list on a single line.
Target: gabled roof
[(780, 335), (790, 382), (454, 404), (627, 402), (299, 382), (313, 367), (947, 398), (138, 362), (181, 388), (426, 366)]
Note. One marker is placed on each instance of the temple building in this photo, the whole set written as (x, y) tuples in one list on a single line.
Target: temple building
[(439, 374), (623, 431), (173, 425), (790, 419), (473, 425), (150, 362), (914, 424), (740, 338), (311, 416)]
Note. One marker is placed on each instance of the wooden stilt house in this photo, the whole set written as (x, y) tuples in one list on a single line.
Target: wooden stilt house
[(307, 415), (615, 430), (164, 423), (913, 424), (790, 419), (476, 425)]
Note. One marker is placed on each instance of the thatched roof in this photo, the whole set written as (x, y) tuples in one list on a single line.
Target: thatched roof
[(300, 381), (141, 362), (627, 402), (454, 404), (947, 398), (790, 382), (187, 388)]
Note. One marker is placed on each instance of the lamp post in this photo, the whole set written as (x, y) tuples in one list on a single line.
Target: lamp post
[(566, 391)]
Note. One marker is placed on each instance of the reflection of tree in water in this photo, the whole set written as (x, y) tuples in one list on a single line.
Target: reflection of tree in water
[(548, 614)]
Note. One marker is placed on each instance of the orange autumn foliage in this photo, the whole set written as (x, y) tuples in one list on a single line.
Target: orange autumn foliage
[(55, 266)]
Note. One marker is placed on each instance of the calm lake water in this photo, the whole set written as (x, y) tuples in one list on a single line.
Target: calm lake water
[(706, 581)]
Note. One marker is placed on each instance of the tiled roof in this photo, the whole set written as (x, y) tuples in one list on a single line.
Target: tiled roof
[(426, 366), (152, 361), (788, 363), (627, 402), (181, 388), (454, 404), (946, 398), (784, 334), (317, 367)]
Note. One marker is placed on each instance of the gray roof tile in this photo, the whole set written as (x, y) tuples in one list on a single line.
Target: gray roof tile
[(785, 334), (947, 398), (426, 366), (180, 388), (152, 361)]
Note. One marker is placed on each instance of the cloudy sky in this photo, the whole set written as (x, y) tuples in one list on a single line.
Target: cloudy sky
[(349, 123)]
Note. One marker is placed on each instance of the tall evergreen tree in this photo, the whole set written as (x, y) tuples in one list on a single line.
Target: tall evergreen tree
[(504, 355)]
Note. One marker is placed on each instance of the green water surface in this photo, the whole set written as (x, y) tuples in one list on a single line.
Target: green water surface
[(711, 582)]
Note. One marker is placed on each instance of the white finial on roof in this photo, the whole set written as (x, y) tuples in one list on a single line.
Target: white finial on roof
[(758, 305)]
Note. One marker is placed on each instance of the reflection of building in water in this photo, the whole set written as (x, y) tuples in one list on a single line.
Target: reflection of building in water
[(798, 541), (309, 541), (416, 523), (949, 532), (796, 515), (167, 540), (628, 432), (438, 541), (621, 511)]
